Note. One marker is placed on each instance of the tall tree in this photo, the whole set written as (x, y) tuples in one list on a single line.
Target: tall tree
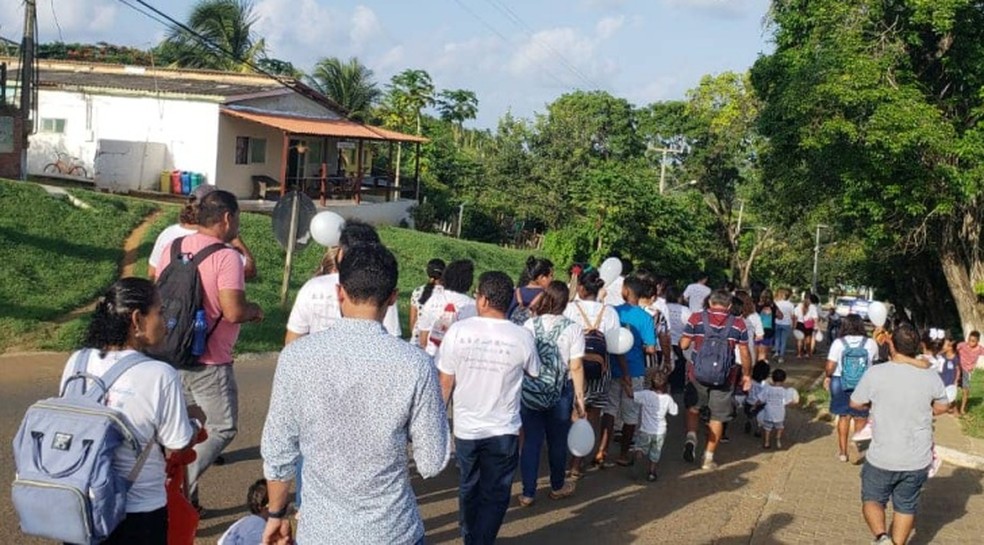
[(230, 43), (349, 83), (873, 107), (410, 92), (457, 106)]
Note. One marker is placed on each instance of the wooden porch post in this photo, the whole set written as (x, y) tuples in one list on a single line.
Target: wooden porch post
[(395, 194), (416, 172), (324, 171), (358, 176), (283, 166)]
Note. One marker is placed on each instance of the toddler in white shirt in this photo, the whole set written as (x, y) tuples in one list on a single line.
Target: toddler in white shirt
[(655, 404), (773, 398)]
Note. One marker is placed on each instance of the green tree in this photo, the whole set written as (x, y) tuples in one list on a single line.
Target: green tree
[(457, 106), (409, 92), (873, 109), (230, 43), (349, 83), (279, 68)]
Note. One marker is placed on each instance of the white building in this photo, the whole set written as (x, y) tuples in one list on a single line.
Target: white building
[(124, 125)]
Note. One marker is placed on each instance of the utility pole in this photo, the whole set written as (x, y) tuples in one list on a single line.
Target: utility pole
[(662, 166), (27, 79), (816, 257)]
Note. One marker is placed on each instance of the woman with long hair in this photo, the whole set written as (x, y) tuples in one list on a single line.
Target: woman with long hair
[(126, 322), (537, 275), (598, 322), (853, 336), (769, 315), (551, 326), (420, 295), (806, 315)]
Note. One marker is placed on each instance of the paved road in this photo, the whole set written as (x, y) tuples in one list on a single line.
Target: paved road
[(799, 495)]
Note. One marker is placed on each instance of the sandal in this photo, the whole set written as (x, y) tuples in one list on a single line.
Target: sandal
[(564, 492), (525, 502), (575, 474)]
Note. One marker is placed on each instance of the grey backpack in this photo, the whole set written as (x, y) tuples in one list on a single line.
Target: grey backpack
[(65, 487)]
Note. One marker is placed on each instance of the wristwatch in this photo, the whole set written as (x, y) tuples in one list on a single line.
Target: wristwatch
[(278, 514)]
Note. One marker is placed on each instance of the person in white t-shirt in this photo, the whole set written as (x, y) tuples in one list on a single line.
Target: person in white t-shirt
[(753, 322), (316, 306), (593, 315), (449, 303), (188, 225), (773, 398), (696, 294), (784, 323), (249, 529), (655, 403), (483, 360), (677, 315), (852, 334), (807, 315), (422, 294), (555, 334), (127, 320)]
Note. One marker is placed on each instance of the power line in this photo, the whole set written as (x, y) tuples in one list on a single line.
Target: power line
[(516, 19), (503, 37), (146, 14), (57, 25)]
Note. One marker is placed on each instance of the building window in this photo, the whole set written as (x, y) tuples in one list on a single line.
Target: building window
[(250, 150), (52, 125)]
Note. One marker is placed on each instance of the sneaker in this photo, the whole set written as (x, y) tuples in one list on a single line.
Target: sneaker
[(842, 457), (725, 439), (525, 501), (688, 451), (709, 465), (651, 477), (883, 540)]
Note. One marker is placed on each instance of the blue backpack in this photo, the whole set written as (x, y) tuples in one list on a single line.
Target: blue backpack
[(716, 357), (854, 362), (543, 392), (65, 487)]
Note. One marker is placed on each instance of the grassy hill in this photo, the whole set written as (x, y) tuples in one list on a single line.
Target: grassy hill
[(55, 258)]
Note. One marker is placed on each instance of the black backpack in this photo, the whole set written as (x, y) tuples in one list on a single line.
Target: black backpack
[(716, 357), (180, 287), (595, 361)]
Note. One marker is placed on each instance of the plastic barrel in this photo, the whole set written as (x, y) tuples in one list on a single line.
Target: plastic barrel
[(166, 181), (176, 182), (196, 180), (186, 183)]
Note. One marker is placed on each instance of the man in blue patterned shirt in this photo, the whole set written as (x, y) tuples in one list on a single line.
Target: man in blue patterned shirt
[(354, 380)]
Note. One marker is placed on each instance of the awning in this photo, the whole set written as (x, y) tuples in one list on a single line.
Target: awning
[(339, 128)]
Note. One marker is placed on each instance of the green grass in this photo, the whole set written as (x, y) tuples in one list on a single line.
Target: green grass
[(55, 258), (973, 421), (412, 249)]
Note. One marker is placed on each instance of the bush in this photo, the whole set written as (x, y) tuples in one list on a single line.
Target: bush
[(424, 216), (571, 244)]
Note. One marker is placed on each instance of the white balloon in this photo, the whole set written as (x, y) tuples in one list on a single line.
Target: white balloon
[(798, 334), (818, 337), (877, 313), (326, 228), (610, 269), (621, 342), (581, 438)]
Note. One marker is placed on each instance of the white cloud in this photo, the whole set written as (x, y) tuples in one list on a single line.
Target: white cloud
[(660, 89), (298, 30), (79, 21), (390, 61), (603, 4), (479, 54), (607, 27), (721, 8), (365, 27)]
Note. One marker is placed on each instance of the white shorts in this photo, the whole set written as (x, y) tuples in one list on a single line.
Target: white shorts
[(951, 393), (621, 405)]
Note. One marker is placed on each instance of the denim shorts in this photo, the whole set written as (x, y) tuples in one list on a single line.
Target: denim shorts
[(903, 487), (965, 377), (650, 444), (840, 400)]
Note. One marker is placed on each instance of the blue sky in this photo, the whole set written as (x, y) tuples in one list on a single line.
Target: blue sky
[(517, 56)]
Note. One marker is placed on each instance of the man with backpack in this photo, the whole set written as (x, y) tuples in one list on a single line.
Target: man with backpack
[(483, 360), (717, 337), (217, 294)]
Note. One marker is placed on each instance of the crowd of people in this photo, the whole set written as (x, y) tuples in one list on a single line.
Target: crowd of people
[(494, 369)]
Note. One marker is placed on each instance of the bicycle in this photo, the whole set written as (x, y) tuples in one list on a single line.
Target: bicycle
[(66, 164)]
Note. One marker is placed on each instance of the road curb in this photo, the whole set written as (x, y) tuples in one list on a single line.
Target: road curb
[(960, 459)]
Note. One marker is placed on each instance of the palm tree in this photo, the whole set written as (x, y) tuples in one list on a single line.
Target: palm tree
[(350, 84), (412, 91), (230, 44), (456, 106)]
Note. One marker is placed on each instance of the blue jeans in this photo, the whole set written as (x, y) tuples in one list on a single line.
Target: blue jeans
[(552, 424), (902, 487), (782, 335), (487, 469)]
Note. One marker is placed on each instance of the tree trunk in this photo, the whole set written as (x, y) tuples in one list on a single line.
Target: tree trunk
[(396, 175), (958, 278)]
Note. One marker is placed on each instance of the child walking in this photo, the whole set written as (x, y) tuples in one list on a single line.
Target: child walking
[(655, 404), (950, 371), (760, 374), (249, 529), (773, 398)]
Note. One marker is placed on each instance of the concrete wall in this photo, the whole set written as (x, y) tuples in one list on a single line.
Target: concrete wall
[(375, 213), (11, 144), (187, 129), (238, 178)]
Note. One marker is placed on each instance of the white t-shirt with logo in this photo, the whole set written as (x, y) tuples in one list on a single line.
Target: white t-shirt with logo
[(837, 350), (432, 311), (787, 310), (570, 343), (609, 320), (655, 407), (488, 358), (316, 308), (695, 294), (151, 398)]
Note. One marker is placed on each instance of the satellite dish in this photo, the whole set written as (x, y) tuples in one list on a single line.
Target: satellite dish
[(281, 219)]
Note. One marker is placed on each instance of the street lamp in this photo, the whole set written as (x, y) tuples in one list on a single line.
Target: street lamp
[(816, 255), (662, 165), (691, 183)]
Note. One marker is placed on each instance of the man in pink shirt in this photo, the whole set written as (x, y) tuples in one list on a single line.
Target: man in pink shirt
[(211, 384), (969, 351)]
